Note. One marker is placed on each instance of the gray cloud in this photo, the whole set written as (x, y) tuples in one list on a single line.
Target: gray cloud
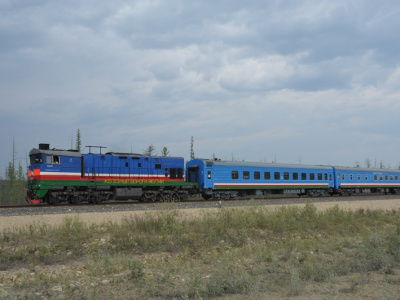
[(316, 81)]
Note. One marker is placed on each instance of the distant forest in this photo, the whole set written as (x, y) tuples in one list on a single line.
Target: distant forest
[(13, 188)]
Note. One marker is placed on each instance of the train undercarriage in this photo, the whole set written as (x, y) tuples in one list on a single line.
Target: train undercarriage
[(232, 194), (77, 195)]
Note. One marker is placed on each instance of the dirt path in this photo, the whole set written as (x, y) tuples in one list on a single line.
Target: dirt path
[(7, 223)]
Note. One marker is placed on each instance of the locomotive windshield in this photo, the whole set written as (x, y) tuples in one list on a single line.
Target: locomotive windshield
[(36, 159)]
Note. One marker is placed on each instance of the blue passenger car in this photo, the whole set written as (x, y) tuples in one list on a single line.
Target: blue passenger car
[(230, 179), (362, 180)]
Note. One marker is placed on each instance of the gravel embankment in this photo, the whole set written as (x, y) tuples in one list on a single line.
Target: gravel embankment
[(17, 217)]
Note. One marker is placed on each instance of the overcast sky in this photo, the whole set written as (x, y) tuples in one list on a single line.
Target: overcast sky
[(311, 82)]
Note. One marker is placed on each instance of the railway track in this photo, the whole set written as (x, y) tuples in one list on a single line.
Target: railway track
[(43, 209), (133, 202)]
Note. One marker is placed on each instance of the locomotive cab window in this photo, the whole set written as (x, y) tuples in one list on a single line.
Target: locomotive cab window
[(36, 159), (56, 159)]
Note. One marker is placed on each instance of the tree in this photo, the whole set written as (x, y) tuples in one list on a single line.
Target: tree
[(13, 191), (149, 151), (357, 165), (164, 152), (191, 149), (368, 163), (78, 140)]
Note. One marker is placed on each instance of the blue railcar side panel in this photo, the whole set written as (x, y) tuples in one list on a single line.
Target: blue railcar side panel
[(241, 175), (366, 178)]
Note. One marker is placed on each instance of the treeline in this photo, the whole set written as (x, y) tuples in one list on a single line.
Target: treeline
[(12, 188)]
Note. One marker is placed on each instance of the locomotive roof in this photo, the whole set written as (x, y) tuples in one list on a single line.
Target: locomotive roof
[(138, 155), (74, 153)]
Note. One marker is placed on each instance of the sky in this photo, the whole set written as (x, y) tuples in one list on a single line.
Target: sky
[(311, 82)]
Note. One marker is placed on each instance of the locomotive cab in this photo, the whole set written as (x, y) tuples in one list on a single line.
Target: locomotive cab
[(48, 170)]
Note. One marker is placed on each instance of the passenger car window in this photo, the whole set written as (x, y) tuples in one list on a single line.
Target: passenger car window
[(277, 176), (235, 175), (267, 175), (246, 175), (256, 175)]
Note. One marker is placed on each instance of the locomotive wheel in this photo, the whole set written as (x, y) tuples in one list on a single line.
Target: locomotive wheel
[(75, 199), (96, 199), (52, 200), (70, 199), (175, 197), (160, 198)]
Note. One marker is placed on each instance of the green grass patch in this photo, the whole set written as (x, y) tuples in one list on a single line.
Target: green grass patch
[(232, 251)]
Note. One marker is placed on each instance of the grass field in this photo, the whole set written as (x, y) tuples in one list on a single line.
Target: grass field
[(241, 253)]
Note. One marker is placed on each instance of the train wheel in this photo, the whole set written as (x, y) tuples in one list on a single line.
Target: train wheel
[(70, 199), (175, 197), (76, 199), (52, 199), (160, 198), (96, 199)]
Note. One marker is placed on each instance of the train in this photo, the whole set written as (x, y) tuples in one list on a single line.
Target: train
[(69, 176)]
